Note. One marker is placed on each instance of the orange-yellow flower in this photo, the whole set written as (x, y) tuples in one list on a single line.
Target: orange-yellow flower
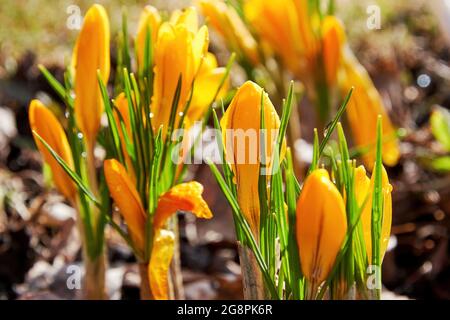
[(45, 124), (362, 113), (321, 225), (91, 53), (364, 192), (333, 37), (179, 51), (230, 26), (127, 199), (241, 122), (150, 20), (286, 26)]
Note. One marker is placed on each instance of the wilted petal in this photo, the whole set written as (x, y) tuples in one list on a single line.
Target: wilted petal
[(158, 268), (45, 124), (182, 197)]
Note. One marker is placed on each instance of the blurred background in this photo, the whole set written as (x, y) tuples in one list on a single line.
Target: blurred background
[(408, 60)]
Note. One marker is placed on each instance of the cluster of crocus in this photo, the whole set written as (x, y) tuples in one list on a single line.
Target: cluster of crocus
[(306, 240), (311, 45), (177, 81), (91, 55)]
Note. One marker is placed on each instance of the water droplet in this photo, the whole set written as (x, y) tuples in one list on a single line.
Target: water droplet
[(83, 154), (180, 113), (66, 114), (327, 128), (79, 135), (423, 80), (72, 95), (151, 115)]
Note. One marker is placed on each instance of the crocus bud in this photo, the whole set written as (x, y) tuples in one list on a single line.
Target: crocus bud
[(321, 226), (230, 26), (91, 54), (149, 21), (45, 124), (362, 113), (364, 194), (127, 199), (241, 123), (333, 37)]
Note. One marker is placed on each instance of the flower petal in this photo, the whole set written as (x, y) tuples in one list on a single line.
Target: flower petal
[(183, 197), (91, 54), (47, 126), (158, 268), (321, 225), (127, 199)]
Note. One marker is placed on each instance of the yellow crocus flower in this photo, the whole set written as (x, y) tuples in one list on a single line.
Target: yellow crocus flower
[(179, 52), (364, 192), (278, 23), (91, 54), (321, 226), (150, 20), (241, 122), (230, 26), (44, 123), (362, 112)]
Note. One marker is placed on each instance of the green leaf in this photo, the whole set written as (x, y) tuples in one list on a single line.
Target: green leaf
[(440, 126), (441, 164)]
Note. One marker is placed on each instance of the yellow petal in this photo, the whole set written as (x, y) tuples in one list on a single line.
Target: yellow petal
[(127, 200), (206, 85), (365, 189), (178, 52), (241, 139), (321, 225), (332, 34), (362, 112), (187, 17), (121, 102), (92, 54), (158, 268), (182, 197), (45, 124), (279, 24), (149, 21)]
